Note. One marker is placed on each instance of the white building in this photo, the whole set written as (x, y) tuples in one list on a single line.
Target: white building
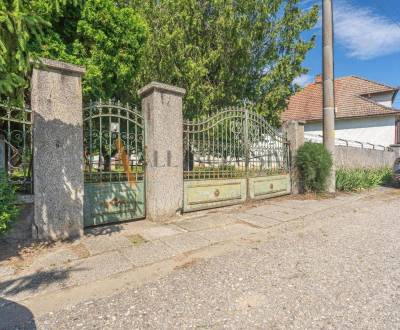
[(364, 110)]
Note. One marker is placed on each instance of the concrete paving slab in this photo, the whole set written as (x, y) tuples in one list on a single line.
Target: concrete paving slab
[(77, 272), (277, 213), (53, 259), (257, 220), (309, 206), (135, 227), (206, 222), (194, 224), (97, 267), (218, 220), (154, 233), (100, 244), (185, 242), (226, 233), (148, 253)]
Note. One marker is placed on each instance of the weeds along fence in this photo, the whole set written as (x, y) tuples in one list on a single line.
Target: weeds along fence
[(16, 145)]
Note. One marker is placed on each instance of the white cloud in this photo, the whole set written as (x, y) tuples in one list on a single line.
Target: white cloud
[(364, 33), (303, 80)]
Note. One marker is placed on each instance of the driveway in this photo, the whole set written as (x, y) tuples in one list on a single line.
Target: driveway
[(336, 266)]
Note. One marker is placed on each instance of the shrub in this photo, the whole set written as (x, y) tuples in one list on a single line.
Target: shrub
[(358, 179), (314, 163), (8, 208)]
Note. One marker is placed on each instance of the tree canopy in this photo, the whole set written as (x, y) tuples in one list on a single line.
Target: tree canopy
[(227, 52), (223, 52), (105, 38)]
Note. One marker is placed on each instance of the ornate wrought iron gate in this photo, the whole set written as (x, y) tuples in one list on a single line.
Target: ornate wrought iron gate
[(114, 163), (233, 156)]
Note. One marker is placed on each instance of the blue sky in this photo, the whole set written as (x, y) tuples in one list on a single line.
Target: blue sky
[(367, 41)]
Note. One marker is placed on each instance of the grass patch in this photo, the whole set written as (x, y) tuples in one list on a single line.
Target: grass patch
[(359, 179), (137, 239), (8, 209)]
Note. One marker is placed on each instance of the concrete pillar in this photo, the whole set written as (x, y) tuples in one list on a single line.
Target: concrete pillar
[(57, 150), (162, 110), (294, 131)]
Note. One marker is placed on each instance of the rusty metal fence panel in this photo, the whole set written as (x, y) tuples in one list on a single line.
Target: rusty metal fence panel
[(226, 148)]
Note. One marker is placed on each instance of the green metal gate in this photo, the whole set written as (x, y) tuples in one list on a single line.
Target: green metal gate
[(231, 157), (114, 163)]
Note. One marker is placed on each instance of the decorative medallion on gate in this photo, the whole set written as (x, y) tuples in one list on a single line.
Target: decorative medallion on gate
[(114, 163), (233, 156)]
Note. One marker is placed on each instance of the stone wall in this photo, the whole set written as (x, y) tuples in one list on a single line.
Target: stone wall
[(352, 157)]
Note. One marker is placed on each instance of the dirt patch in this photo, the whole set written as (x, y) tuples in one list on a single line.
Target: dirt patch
[(188, 264), (80, 251)]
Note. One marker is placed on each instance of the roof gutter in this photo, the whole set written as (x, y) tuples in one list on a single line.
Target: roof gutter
[(395, 94)]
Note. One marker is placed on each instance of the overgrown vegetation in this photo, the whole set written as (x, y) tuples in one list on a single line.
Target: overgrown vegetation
[(314, 164), (358, 179), (225, 53), (8, 208)]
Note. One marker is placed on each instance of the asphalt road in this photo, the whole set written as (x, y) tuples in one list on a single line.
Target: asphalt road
[(339, 269)]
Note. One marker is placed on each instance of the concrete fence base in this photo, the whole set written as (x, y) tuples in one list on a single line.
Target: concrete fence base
[(354, 158)]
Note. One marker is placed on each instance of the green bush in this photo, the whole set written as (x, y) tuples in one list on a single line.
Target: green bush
[(8, 208), (314, 163), (358, 179)]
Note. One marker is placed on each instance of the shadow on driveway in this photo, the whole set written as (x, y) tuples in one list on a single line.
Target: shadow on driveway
[(15, 316), (33, 282)]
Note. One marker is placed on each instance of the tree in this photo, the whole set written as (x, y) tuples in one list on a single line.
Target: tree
[(227, 52), (17, 26), (105, 38)]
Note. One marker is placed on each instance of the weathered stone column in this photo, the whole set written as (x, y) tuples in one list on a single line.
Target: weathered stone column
[(162, 110), (57, 150), (294, 131)]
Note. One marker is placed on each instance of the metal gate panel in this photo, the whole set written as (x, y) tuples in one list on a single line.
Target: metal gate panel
[(231, 149), (114, 163), (203, 194), (112, 202), (269, 186)]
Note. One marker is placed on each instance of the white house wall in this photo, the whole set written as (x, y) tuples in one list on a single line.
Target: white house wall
[(384, 99), (376, 130)]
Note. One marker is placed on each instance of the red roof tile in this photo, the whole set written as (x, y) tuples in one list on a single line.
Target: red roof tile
[(351, 100)]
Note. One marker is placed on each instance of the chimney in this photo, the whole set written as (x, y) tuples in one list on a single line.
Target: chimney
[(318, 79)]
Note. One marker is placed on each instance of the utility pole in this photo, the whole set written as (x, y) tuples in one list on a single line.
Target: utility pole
[(328, 88)]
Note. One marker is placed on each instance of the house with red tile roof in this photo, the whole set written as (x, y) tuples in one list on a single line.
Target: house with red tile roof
[(364, 110)]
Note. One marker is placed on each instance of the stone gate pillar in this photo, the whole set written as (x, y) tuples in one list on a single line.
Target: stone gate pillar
[(56, 98), (295, 134), (162, 110)]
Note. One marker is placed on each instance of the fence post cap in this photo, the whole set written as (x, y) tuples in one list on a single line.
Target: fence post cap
[(165, 88), (46, 63)]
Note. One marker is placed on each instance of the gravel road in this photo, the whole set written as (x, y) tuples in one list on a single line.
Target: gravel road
[(338, 269)]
